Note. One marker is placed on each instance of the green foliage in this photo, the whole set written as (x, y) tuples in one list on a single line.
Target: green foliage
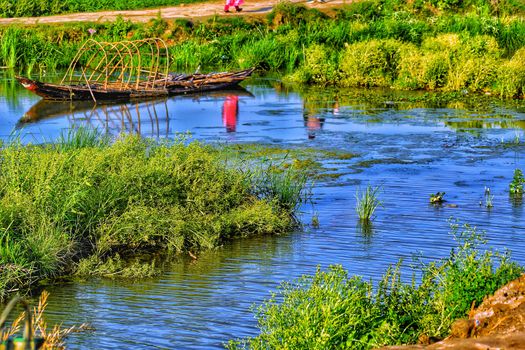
[(370, 63), (331, 310), (511, 76), (87, 203), (516, 185), (367, 202)]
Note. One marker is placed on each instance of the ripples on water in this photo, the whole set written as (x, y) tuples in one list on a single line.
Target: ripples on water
[(410, 149)]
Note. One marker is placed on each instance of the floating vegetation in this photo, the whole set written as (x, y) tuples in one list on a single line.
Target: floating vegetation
[(315, 220), (437, 198)]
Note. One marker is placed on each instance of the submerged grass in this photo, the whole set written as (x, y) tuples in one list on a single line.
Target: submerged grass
[(86, 206), (332, 310)]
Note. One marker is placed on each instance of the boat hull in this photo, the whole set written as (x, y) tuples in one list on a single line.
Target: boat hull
[(175, 85)]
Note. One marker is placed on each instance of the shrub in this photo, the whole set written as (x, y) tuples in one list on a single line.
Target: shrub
[(332, 310), (370, 63), (510, 81), (317, 68)]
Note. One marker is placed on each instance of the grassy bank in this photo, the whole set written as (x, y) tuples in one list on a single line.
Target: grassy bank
[(35, 8), (86, 207), (474, 46), (332, 310)]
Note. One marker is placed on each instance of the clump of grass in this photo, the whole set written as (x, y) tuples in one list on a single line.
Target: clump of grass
[(81, 137), (332, 310), (287, 187), (367, 202), (86, 206), (516, 185)]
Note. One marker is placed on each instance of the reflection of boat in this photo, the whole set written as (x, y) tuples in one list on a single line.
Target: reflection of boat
[(147, 117), (116, 71), (45, 109)]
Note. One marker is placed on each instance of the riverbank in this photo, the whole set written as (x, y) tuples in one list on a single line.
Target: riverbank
[(86, 207), (365, 44)]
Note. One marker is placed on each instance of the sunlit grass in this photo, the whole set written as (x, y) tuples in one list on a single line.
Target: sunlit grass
[(86, 206), (367, 202)]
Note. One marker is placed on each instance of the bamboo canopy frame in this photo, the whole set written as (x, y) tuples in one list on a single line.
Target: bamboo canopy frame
[(121, 66)]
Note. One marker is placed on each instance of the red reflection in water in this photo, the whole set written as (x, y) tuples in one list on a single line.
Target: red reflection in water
[(230, 111)]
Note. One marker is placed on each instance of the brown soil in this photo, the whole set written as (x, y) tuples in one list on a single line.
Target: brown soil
[(498, 323), (190, 11)]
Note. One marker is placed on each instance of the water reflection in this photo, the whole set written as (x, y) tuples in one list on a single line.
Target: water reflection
[(149, 118), (230, 111)]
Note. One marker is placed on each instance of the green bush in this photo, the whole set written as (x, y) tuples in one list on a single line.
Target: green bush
[(83, 201), (510, 81), (331, 310), (370, 63)]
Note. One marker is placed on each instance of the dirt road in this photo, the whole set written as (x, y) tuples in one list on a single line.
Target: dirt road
[(251, 7)]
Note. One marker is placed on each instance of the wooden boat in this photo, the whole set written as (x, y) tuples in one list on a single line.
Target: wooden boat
[(125, 70), (175, 84)]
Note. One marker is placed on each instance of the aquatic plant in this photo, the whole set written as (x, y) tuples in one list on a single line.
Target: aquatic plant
[(488, 198), (86, 206), (367, 202), (436, 198), (333, 310), (315, 220), (516, 185)]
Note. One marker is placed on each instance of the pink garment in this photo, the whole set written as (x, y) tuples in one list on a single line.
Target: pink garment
[(235, 3)]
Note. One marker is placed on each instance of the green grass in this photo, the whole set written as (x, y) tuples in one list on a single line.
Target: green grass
[(333, 310), (367, 202), (86, 206)]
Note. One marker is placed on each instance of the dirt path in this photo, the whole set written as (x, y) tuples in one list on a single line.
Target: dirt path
[(251, 7)]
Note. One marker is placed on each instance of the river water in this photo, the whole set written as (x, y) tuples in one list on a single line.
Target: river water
[(409, 148)]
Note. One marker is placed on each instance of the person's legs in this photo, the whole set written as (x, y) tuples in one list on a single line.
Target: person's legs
[(227, 5), (238, 4)]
